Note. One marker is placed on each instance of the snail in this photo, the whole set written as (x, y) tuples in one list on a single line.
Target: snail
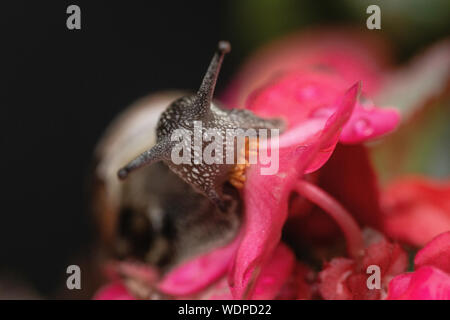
[(164, 213), (182, 114)]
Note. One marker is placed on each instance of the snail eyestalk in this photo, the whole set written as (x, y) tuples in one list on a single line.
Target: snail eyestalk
[(201, 106), (206, 91), (156, 153), (182, 114)]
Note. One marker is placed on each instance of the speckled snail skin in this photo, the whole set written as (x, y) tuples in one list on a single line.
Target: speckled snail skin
[(181, 114), (163, 213)]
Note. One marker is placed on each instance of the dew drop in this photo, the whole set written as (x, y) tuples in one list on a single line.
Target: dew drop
[(362, 127), (307, 93), (322, 112)]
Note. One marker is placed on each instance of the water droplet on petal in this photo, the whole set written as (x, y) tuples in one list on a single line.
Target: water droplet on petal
[(363, 127), (322, 112), (307, 93)]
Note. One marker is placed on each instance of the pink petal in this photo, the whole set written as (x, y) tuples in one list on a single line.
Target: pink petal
[(196, 274), (426, 283), (266, 196), (266, 200), (436, 253), (274, 274), (416, 209), (399, 285), (330, 134), (298, 96), (366, 124), (352, 54), (113, 291), (306, 98)]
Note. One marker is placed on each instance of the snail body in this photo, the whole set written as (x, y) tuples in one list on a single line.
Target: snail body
[(153, 216), (166, 212), (182, 116)]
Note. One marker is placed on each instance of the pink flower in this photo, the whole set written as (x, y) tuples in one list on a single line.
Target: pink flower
[(351, 54), (427, 283), (307, 100), (325, 190), (436, 253), (264, 220), (300, 96), (416, 209), (431, 279), (196, 274), (346, 279), (266, 197), (272, 277), (318, 106)]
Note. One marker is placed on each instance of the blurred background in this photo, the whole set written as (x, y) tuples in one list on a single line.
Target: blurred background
[(61, 88)]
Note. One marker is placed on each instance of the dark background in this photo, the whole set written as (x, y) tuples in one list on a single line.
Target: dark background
[(60, 88)]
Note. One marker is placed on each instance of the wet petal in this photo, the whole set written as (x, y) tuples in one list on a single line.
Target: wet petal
[(266, 196), (352, 54), (366, 124), (306, 98), (298, 96)]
